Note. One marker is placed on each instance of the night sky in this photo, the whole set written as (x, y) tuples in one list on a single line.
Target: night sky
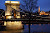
[(44, 4)]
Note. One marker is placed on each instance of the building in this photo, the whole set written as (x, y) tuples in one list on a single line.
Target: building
[(42, 12), (39, 9), (11, 7)]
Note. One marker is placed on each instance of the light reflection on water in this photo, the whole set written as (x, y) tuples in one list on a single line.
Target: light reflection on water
[(40, 28), (33, 28), (37, 28)]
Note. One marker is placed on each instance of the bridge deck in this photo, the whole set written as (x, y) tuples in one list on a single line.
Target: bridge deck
[(26, 21)]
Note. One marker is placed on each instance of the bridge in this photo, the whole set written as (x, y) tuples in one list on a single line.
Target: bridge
[(32, 21)]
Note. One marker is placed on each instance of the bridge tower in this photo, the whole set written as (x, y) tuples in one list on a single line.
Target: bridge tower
[(10, 6)]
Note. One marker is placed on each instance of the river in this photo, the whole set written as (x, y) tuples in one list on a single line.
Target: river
[(33, 28)]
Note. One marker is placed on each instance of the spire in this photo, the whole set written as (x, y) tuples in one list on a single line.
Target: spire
[(38, 9)]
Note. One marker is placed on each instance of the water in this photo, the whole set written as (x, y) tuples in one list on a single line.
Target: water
[(40, 28), (33, 28)]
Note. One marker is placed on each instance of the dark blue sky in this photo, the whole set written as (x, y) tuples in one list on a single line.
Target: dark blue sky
[(44, 4)]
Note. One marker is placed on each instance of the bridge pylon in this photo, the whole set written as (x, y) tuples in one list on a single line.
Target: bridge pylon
[(10, 6)]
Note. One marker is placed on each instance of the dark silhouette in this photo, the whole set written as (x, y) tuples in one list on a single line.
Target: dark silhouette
[(2, 12), (28, 5)]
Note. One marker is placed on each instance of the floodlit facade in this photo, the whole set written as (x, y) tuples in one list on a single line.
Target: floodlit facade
[(10, 6), (39, 9), (42, 12)]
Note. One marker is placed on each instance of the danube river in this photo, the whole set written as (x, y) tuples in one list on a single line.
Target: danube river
[(33, 28)]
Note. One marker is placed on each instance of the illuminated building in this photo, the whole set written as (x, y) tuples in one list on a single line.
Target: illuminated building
[(39, 9), (42, 12), (10, 6)]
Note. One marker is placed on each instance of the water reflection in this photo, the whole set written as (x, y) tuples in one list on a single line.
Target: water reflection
[(26, 28), (40, 28), (33, 28)]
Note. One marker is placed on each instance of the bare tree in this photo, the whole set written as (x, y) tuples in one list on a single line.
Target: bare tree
[(28, 5)]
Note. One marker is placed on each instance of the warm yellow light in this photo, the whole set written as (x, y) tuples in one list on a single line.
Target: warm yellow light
[(12, 2), (8, 17), (31, 24), (7, 1), (39, 9), (22, 15), (17, 16), (45, 14), (42, 13), (7, 14), (5, 23), (39, 14), (15, 2), (14, 25)]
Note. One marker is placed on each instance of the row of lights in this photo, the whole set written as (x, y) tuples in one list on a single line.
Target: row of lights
[(12, 2)]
